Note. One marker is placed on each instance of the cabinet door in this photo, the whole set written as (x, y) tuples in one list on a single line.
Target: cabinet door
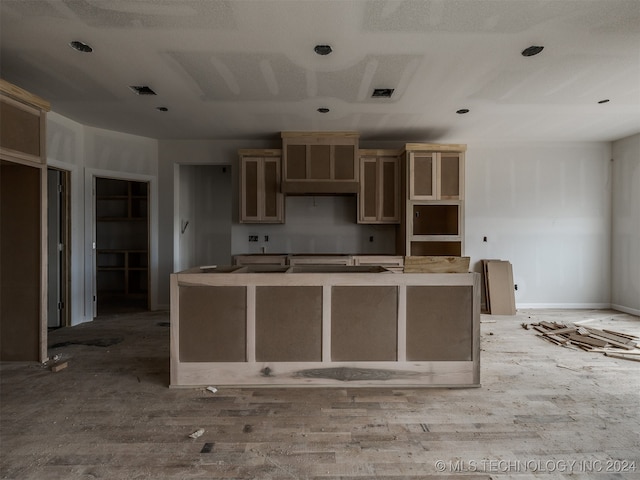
[(450, 178), (389, 206), (422, 175), (260, 198), (249, 190), (272, 199), (379, 190)]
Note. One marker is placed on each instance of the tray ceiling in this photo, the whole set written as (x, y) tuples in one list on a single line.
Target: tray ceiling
[(241, 69)]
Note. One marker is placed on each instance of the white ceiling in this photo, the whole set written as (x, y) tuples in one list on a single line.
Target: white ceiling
[(246, 69)]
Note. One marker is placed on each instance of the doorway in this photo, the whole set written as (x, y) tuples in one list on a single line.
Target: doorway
[(58, 249), (122, 245), (204, 211)]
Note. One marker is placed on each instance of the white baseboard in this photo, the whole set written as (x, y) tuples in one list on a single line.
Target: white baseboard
[(630, 311), (565, 306)]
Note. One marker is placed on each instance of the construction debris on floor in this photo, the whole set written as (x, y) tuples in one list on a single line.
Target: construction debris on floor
[(612, 344)]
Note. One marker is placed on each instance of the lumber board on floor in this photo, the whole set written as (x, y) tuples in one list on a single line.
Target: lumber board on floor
[(501, 291)]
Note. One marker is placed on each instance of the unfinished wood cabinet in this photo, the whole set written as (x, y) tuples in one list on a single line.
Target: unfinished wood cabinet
[(320, 162), (433, 206), (436, 172), (261, 200), (23, 222), (340, 326), (379, 193)]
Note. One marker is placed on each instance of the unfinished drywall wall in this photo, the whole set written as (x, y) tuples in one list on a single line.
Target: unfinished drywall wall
[(204, 200), (320, 224), (625, 231), (85, 151), (546, 207)]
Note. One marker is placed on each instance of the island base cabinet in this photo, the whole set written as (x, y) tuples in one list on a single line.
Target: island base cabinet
[(324, 329)]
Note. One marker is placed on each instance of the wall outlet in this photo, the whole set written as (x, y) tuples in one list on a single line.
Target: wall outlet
[(266, 238), (253, 238)]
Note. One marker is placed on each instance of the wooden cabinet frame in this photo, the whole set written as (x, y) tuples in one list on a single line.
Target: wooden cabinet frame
[(438, 181), (444, 191), (261, 159), (381, 159), (318, 167)]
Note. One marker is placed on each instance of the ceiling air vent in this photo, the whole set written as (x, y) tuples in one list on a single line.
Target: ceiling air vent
[(81, 46), (142, 90), (382, 93), (532, 50)]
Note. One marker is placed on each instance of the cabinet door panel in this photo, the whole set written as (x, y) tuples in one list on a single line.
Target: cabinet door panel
[(389, 204), (422, 176), (369, 195), (450, 176), (296, 162), (250, 178), (20, 129), (320, 162), (271, 187), (344, 164)]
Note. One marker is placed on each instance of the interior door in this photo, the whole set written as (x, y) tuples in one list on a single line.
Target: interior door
[(56, 248)]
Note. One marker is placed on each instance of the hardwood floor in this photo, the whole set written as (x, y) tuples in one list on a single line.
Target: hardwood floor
[(543, 411)]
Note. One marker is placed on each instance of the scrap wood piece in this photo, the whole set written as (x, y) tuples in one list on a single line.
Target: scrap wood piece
[(623, 356), (552, 339), (553, 326), (624, 346), (436, 264), (587, 339), (634, 352), (561, 331), (613, 336), (56, 367), (628, 335)]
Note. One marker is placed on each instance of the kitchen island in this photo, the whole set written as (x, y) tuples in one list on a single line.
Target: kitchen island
[(324, 325)]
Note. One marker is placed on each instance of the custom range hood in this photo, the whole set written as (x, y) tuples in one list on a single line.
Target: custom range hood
[(320, 163)]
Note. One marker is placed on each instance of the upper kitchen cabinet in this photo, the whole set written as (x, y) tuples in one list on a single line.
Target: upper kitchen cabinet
[(22, 135), (261, 200), (379, 194), (436, 172), (320, 162), (432, 218)]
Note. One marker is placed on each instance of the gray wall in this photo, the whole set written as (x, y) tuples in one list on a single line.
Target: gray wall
[(546, 207), (625, 244)]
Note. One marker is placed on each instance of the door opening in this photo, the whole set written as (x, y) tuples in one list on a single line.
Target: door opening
[(122, 245), (58, 250)]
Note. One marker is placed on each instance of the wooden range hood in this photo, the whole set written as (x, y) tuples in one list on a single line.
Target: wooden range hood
[(320, 163)]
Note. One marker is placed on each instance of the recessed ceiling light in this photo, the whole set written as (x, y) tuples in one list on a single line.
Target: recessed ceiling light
[(162, 109), (81, 46), (604, 101), (323, 49), (532, 50), (462, 111), (382, 93), (142, 90), (323, 110)]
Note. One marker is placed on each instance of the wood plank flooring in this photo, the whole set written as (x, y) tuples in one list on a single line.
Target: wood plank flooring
[(543, 411)]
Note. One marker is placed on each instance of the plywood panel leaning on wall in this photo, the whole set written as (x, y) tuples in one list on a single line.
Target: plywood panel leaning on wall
[(23, 254)]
